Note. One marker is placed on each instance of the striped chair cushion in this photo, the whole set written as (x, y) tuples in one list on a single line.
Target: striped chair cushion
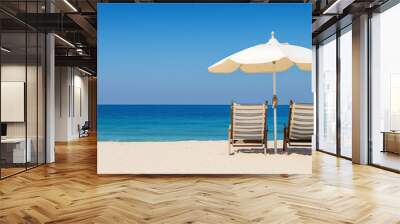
[(248, 122), (302, 122)]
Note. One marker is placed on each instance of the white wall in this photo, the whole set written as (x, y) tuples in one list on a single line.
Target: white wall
[(80, 112), (62, 82), (12, 73), (33, 126), (70, 83)]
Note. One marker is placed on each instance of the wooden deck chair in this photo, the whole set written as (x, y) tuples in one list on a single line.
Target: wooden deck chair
[(300, 127), (248, 126)]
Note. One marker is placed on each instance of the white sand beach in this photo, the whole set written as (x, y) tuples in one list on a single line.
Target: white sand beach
[(194, 157)]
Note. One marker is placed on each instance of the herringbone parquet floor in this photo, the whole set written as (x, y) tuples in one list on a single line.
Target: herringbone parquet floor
[(70, 191)]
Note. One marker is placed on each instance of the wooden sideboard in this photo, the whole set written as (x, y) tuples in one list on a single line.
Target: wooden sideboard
[(391, 141)]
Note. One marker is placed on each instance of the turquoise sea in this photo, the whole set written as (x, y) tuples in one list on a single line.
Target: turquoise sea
[(172, 122)]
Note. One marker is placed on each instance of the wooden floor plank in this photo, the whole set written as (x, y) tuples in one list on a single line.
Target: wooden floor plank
[(70, 191)]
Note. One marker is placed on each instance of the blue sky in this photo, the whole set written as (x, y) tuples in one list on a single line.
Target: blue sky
[(159, 53)]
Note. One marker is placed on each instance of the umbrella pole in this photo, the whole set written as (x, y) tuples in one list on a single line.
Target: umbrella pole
[(275, 104)]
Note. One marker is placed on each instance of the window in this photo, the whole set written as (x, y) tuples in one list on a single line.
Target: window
[(346, 92), (385, 89), (327, 95)]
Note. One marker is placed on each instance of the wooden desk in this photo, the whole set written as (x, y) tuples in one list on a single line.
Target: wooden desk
[(391, 141), (16, 153)]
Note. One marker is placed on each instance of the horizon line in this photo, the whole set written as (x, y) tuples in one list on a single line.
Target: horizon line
[(125, 104)]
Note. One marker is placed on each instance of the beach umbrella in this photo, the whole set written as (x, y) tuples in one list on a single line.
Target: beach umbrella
[(267, 58)]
